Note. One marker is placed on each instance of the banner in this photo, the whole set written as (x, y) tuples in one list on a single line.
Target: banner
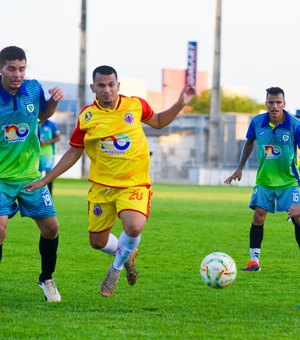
[(191, 72)]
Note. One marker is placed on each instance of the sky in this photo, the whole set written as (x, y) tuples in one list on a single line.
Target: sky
[(260, 43)]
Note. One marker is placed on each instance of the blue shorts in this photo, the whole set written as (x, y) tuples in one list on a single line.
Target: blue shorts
[(35, 204), (46, 163), (274, 199)]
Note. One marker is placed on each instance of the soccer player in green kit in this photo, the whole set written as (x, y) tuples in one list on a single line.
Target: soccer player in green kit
[(49, 135), (22, 105), (277, 135)]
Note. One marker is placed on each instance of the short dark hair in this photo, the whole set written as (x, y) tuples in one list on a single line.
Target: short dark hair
[(105, 70), (12, 53), (274, 91)]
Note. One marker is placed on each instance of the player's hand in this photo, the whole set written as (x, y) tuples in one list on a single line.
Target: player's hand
[(56, 94), (237, 175), (294, 211), (35, 185), (187, 94)]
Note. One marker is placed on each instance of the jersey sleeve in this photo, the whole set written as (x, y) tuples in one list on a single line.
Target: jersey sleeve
[(54, 127), (43, 103), (77, 138), (147, 111), (297, 136), (251, 131)]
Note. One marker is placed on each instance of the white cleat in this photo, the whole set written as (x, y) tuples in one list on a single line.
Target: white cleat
[(50, 291)]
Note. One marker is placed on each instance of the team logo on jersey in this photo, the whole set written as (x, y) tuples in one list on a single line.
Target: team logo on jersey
[(30, 108), (16, 133), (97, 211), (285, 138), (87, 116), (272, 151), (115, 144), (128, 118)]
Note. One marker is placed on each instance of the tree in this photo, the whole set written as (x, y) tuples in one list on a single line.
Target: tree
[(228, 103)]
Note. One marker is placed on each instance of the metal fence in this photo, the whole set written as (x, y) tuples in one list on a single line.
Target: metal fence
[(179, 151)]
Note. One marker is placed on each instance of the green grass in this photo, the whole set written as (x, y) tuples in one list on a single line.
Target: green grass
[(169, 301)]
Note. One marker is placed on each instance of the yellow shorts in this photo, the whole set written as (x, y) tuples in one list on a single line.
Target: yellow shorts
[(105, 204)]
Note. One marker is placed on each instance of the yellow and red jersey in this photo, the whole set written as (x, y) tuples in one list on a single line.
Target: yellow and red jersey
[(115, 142)]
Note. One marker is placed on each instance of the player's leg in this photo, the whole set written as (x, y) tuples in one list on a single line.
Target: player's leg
[(133, 209), (133, 223), (262, 201), (257, 234), (8, 207), (48, 245), (3, 226), (286, 198), (101, 219), (39, 206)]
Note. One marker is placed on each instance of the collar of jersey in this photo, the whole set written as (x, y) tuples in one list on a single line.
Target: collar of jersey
[(285, 124), (6, 96), (118, 102)]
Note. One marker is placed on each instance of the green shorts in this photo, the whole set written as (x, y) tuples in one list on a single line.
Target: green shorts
[(35, 204)]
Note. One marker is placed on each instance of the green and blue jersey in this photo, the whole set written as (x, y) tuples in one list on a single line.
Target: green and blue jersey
[(47, 131), (277, 150), (19, 143)]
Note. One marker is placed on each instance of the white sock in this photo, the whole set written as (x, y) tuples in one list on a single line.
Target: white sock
[(111, 246), (254, 254), (126, 246)]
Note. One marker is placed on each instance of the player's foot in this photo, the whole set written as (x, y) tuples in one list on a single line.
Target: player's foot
[(252, 266), (109, 284), (131, 270), (50, 291)]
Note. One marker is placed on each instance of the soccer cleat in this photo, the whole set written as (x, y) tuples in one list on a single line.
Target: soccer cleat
[(109, 284), (252, 266), (131, 270), (50, 291)]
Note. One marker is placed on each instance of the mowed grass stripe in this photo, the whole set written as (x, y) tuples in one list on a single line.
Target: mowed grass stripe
[(173, 195)]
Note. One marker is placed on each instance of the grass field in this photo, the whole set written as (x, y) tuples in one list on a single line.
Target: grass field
[(169, 300)]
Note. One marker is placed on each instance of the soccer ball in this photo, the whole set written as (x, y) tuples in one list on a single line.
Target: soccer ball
[(218, 270)]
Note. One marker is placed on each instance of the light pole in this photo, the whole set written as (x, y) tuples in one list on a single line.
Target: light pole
[(82, 72), (214, 114)]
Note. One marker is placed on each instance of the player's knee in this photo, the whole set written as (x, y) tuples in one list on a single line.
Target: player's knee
[(259, 218), (98, 243), (49, 229), (134, 230)]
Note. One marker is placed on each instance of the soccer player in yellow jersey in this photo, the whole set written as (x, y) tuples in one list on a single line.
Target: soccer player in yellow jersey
[(111, 133)]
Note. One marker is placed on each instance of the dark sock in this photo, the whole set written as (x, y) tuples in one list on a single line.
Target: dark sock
[(297, 231), (48, 251), (0, 252), (256, 235)]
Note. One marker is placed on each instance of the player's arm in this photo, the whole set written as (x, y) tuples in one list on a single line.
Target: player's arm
[(57, 95), (162, 119), (237, 175), (65, 163)]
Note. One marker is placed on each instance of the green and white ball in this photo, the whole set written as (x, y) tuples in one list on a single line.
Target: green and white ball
[(218, 270)]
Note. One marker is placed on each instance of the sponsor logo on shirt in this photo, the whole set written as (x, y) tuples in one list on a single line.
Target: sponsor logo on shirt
[(16, 133), (272, 151), (115, 144)]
